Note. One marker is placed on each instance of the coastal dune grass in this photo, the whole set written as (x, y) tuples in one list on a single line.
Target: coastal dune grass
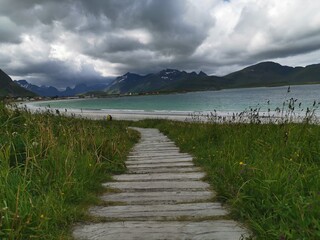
[(51, 168), (269, 174)]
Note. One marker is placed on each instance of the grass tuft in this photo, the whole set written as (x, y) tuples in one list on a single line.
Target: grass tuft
[(269, 174), (51, 168)]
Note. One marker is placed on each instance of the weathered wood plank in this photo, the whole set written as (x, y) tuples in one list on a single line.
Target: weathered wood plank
[(160, 212), (154, 165), (157, 160), (158, 197), (159, 186), (154, 230), (159, 176), (164, 170), (159, 156)]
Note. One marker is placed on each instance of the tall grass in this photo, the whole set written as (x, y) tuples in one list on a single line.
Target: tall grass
[(50, 170), (268, 174)]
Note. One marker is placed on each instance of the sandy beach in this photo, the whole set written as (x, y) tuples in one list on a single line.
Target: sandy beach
[(137, 115), (116, 114)]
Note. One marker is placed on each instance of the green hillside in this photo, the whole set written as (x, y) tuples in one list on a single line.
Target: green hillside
[(12, 89), (308, 75), (268, 74)]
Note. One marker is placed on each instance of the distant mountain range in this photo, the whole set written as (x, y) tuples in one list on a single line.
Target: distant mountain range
[(12, 89), (168, 80), (49, 91), (265, 74)]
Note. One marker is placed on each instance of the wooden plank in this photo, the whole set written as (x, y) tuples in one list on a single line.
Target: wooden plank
[(160, 212), (158, 160), (154, 165), (155, 230), (164, 170), (159, 176), (148, 198), (159, 186)]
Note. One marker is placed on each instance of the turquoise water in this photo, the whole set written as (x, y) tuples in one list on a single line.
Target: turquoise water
[(231, 100)]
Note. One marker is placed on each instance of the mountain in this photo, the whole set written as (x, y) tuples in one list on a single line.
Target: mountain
[(12, 89), (264, 74), (41, 91), (81, 89), (307, 75), (49, 91), (126, 83), (268, 74), (168, 80)]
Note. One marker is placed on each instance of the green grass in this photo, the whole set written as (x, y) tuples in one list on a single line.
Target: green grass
[(51, 168), (268, 174)]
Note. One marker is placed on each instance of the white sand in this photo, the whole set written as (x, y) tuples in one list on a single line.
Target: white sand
[(116, 114), (134, 115)]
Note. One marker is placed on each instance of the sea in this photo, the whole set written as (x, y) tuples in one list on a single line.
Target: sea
[(301, 98)]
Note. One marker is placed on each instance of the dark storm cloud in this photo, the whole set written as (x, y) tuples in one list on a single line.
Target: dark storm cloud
[(30, 12), (63, 42), (304, 46), (58, 73), (108, 45), (163, 20), (172, 32)]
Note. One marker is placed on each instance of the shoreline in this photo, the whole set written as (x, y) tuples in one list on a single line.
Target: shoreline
[(100, 114), (184, 116)]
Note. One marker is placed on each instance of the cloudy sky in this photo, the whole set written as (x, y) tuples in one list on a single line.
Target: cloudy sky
[(64, 42)]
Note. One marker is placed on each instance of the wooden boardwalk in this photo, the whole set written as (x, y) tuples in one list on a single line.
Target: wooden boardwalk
[(161, 197)]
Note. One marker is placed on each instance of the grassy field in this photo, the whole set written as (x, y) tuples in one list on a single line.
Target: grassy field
[(51, 168), (268, 174)]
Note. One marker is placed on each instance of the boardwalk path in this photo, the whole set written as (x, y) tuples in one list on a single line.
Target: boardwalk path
[(161, 197)]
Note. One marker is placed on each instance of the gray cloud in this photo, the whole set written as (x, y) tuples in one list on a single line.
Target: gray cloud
[(109, 44), (58, 73), (163, 20), (64, 42), (9, 31)]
